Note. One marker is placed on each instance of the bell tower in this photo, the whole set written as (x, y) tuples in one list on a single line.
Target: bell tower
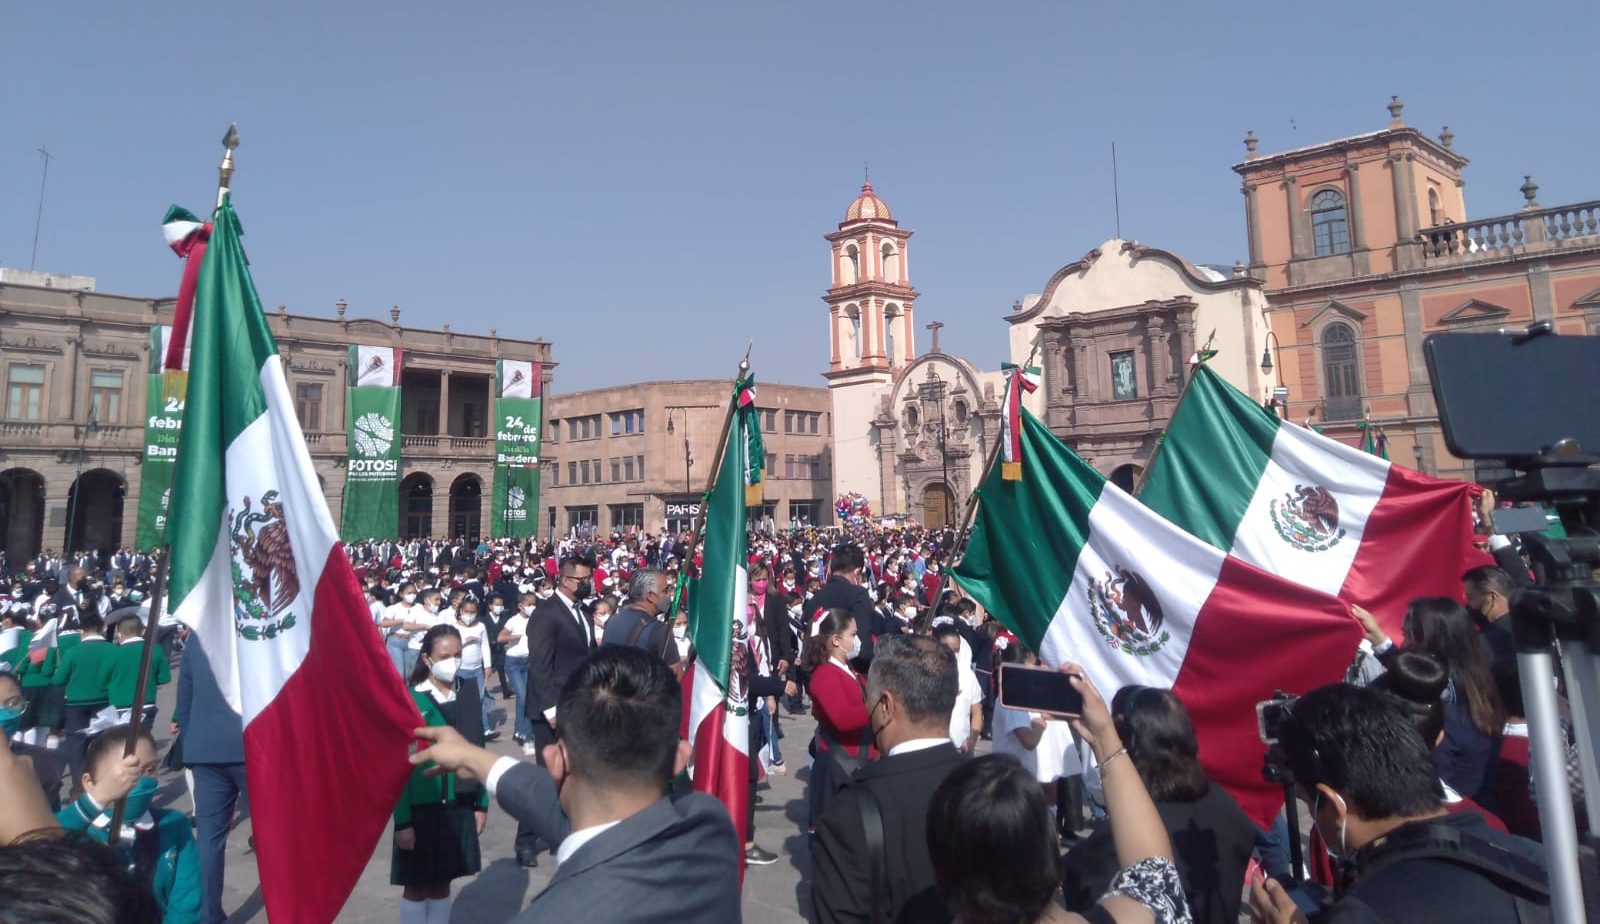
[(871, 339), (870, 301)]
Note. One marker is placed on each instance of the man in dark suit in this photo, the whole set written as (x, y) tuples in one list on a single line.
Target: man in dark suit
[(911, 690), (844, 591), (560, 636), (628, 851)]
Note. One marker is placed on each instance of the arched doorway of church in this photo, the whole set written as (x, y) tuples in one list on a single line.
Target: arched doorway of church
[(938, 506), (1126, 476), (21, 515), (466, 506), (94, 511), (416, 506)]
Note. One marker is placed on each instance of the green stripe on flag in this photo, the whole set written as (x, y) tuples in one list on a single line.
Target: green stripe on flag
[(1027, 534), (1210, 460), (229, 341), (716, 592)]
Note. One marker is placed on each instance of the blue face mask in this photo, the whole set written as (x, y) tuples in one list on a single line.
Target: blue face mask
[(10, 720), (144, 792)]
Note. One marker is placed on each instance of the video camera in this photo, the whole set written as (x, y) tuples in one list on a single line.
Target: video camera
[(1526, 400)]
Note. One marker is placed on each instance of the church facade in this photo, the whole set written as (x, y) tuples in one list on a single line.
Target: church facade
[(1111, 333)]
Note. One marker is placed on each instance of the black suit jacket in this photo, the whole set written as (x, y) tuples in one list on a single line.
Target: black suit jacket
[(839, 593), (677, 860), (556, 646), (841, 877), (775, 621)]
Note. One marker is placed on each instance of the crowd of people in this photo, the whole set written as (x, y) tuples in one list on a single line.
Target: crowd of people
[(1415, 768)]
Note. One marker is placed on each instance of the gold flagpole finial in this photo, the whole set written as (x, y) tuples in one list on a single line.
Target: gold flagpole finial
[(225, 169)]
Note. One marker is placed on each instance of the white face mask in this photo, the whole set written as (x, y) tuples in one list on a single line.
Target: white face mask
[(855, 647), (409, 599), (496, 610), (680, 632), (468, 619), (444, 670)]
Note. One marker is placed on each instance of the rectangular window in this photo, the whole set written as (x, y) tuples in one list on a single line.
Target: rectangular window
[(816, 423), (105, 395), (769, 420), (472, 420), (572, 473), (579, 517), (308, 405), (640, 466), (616, 424), (1124, 381), (627, 468), (627, 516), (555, 474), (788, 421), (789, 469), (24, 391), (772, 465), (803, 512), (553, 431), (616, 469)]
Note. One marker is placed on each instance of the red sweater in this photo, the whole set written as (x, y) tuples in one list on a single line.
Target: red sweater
[(838, 702)]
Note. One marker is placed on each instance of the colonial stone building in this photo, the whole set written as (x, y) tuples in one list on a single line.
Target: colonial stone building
[(1111, 333), (74, 363), (1366, 248), (637, 457)]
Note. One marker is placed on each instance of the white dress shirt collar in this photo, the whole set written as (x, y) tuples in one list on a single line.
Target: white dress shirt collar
[(574, 841), (427, 687), (916, 744)]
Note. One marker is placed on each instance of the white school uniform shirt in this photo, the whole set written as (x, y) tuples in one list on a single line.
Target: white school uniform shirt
[(1054, 758), (420, 615), (473, 641), (968, 694), (518, 626)]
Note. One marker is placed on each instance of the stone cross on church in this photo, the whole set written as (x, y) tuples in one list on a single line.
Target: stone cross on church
[(934, 326)]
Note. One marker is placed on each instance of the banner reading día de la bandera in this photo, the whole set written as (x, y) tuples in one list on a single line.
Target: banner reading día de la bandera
[(518, 428), (164, 395), (372, 445)]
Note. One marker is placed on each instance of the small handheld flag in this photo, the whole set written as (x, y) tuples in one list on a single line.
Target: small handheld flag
[(1018, 380)]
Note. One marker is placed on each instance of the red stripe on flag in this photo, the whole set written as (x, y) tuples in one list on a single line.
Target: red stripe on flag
[(1256, 633), (327, 758), (721, 771), (193, 251), (1417, 543)]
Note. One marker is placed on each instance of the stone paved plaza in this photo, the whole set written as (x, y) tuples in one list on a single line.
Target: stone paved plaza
[(772, 894)]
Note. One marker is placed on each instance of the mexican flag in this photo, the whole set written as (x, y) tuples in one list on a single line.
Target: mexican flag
[(1305, 506), (719, 725), (259, 575), (1082, 572)]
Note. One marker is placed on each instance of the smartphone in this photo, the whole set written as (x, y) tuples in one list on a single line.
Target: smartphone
[(1039, 689)]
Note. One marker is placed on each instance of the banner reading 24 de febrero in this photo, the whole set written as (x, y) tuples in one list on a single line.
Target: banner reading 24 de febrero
[(164, 394), (518, 428), (372, 479)]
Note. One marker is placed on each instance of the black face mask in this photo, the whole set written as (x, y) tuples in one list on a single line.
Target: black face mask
[(585, 589)]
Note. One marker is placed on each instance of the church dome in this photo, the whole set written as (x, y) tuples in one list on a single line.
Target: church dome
[(868, 207)]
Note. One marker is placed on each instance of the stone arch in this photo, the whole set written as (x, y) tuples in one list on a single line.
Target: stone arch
[(94, 511), (938, 505), (1126, 476), (416, 506), (22, 503), (466, 506)]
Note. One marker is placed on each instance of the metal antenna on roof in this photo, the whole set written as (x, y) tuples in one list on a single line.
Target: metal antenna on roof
[(866, 172), (38, 219), (1116, 194)]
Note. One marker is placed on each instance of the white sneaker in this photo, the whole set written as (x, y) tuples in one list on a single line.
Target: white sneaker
[(528, 750)]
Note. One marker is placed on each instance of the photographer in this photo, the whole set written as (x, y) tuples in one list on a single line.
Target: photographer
[(1375, 797)]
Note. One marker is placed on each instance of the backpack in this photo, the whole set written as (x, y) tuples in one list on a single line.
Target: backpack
[(1524, 880)]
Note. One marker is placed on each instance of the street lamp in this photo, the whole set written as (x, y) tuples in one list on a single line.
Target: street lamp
[(944, 456), (688, 460), (1279, 402)]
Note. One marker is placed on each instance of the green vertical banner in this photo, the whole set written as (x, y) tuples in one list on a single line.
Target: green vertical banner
[(372, 446), (164, 394), (518, 428)]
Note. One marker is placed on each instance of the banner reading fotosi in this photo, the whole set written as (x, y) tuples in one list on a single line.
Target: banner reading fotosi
[(518, 429), (372, 479)]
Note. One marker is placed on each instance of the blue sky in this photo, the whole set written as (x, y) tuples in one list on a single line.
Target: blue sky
[(646, 184)]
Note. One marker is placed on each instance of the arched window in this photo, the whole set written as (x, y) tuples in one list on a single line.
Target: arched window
[(854, 314), (852, 265), (1435, 214), (1329, 230), (891, 264), (1340, 373), (891, 320)]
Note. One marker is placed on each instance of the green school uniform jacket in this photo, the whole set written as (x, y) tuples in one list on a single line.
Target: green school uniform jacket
[(176, 880), (125, 674), (86, 671), (424, 790)]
